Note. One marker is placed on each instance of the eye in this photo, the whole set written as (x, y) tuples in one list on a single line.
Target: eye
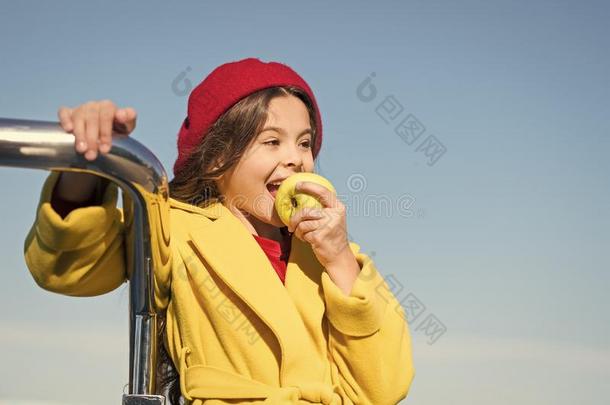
[(306, 144)]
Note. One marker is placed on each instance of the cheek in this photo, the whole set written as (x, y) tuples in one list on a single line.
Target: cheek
[(252, 196), (309, 165), (257, 170)]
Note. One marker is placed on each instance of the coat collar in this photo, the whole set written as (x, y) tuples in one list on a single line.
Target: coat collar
[(235, 256)]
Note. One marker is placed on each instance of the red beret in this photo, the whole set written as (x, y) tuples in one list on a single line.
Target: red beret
[(225, 86)]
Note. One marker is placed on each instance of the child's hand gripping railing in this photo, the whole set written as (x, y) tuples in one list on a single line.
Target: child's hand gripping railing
[(141, 177)]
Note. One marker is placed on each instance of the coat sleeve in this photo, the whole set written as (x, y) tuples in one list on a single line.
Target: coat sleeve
[(369, 340), (81, 254)]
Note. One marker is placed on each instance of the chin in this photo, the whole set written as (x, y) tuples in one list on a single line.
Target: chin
[(278, 223), (269, 216), (275, 220)]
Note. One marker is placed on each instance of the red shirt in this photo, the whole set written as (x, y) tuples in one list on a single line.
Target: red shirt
[(277, 252)]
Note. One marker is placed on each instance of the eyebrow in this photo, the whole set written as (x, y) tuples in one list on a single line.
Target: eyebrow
[(282, 132)]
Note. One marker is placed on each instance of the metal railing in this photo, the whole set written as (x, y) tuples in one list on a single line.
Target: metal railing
[(143, 181)]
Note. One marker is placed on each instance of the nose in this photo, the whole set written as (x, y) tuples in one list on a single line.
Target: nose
[(293, 157)]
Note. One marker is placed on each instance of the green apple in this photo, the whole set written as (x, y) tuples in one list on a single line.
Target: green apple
[(288, 201)]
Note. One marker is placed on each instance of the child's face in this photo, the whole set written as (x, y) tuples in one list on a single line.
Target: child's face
[(273, 155)]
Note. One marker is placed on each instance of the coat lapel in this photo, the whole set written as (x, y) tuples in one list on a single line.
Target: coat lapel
[(236, 257)]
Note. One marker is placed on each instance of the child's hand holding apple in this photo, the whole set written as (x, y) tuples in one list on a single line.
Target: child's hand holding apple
[(319, 218)]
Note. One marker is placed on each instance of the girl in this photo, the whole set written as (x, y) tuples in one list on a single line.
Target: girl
[(253, 311)]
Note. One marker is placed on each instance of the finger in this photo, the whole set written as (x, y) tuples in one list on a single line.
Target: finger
[(304, 214), (308, 235), (119, 126), (307, 226), (65, 118), (80, 140), (130, 114), (92, 129), (125, 120), (132, 117), (301, 215), (107, 112), (327, 198)]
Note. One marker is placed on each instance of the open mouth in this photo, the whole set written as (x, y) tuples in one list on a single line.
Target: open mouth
[(272, 189)]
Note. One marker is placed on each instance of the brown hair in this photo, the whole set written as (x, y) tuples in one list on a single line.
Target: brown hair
[(220, 149)]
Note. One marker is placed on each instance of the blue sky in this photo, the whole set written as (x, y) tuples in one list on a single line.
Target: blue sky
[(503, 239)]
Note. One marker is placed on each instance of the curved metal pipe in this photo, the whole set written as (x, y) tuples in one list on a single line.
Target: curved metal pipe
[(143, 180)]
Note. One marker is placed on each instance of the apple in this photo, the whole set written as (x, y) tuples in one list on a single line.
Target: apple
[(288, 201)]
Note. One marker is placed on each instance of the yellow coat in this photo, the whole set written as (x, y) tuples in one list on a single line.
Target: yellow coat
[(234, 331)]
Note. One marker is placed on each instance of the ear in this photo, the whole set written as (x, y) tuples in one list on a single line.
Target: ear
[(218, 162), (216, 165)]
